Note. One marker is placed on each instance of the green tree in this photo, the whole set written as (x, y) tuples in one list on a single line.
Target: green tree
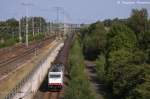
[(123, 60), (94, 40), (120, 36), (124, 71), (139, 23), (123, 76)]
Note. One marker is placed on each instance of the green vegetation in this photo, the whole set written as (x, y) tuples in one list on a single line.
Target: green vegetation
[(9, 30), (8, 42), (123, 64), (37, 36), (94, 40), (79, 85)]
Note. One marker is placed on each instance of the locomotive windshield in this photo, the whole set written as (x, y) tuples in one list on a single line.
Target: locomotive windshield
[(55, 76)]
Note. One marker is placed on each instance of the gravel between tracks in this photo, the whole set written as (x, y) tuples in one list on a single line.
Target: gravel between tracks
[(43, 92), (24, 54), (15, 77)]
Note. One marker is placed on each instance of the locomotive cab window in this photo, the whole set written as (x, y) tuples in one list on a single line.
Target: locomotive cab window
[(54, 76)]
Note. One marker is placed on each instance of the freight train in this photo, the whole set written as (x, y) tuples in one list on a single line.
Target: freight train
[(57, 70)]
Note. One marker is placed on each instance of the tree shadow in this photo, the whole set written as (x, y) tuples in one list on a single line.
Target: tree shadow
[(91, 55)]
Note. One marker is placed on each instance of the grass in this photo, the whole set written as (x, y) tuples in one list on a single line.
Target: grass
[(12, 41), (9, 42)]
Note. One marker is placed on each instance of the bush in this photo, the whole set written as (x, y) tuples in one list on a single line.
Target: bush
[(79, 86), (100, 67), (8, 42), (94, 40)]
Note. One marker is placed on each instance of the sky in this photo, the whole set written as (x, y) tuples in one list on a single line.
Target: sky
[(76, 11)]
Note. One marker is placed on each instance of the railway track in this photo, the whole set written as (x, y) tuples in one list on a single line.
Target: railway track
[(12, 59), (62, 57), (14, 51), (44, 93), (12, 63), (52, 95)]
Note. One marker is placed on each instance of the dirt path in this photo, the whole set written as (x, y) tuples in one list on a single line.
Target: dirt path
[(95, 85)]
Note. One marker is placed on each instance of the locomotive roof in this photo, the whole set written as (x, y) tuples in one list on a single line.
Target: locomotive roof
[(57, 68)]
